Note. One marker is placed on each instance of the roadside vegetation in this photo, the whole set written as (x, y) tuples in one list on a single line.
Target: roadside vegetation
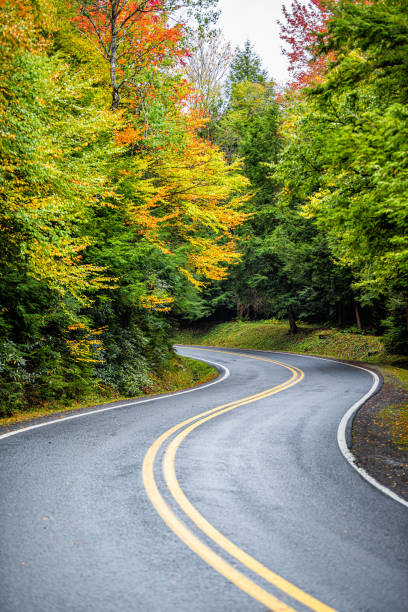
[(395, 419), (182, 373), (274, 335)]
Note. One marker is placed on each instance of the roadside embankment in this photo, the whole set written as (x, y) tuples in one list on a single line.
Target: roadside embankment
[(181, 374), (273, 335)]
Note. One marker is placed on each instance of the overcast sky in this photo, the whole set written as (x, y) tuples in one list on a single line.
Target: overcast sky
[(256, 20)]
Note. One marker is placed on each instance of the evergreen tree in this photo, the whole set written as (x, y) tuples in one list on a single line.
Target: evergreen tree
[(246, 66), (286, 267)]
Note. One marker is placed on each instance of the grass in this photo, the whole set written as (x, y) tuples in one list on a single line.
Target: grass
[(273, 335), (182, 373), (394, 418)]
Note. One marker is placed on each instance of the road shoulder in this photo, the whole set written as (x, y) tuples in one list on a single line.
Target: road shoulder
[(372, 442)]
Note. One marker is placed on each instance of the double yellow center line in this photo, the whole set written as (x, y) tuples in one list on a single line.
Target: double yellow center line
[(188, 537)]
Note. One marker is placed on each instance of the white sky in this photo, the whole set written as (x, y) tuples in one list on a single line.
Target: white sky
[(256, 20)]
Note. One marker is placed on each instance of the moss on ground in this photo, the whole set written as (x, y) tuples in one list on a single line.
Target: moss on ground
[(395, 420)]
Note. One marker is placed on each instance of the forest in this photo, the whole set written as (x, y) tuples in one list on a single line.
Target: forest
[(152, 177)]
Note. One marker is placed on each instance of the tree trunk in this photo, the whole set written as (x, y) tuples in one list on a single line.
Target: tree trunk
[(292, 322), (115, 99), (340, 314), (113, 57), (357, 311)]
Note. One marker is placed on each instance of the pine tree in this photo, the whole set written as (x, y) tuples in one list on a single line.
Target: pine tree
[(246, 66)]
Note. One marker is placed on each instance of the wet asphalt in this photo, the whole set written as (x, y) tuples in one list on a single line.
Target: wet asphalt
[(78, 532)]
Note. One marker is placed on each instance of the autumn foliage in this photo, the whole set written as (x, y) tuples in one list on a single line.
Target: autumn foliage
[(113, 210), (135, 38), (304, 22)]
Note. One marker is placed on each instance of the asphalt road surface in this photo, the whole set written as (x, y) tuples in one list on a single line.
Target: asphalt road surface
[(231, 497)]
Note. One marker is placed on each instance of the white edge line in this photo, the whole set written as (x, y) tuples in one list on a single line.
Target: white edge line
[(219, 379), (346, 421)]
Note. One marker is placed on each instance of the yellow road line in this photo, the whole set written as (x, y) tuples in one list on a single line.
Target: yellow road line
[(214, 560), (201, 549), (206, 527)]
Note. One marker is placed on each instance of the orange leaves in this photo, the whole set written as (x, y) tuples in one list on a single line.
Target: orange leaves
[(128, 135), (23, 24), (131, 36), (17, 26)]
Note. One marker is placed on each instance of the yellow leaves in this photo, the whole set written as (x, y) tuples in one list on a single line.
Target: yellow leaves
[(191, 197), (160, 303), (286, 195), (310, 209), (209, 259), (196, 283), (76, 326), (395, 419), (87, 347), (59, 265)]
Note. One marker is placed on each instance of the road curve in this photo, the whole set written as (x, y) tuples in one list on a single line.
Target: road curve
[(231, 497)]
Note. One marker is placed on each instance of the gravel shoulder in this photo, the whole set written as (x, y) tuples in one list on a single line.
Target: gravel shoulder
[(372, 443)]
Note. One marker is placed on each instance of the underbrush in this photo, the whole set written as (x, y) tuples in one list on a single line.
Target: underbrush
[(182, 373)]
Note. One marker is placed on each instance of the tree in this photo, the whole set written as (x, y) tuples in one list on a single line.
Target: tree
[(246, 66), (55, 143), (206, 67), (248, 125), (286, 268), (372, 116), (174, 177), (300, 32), (108, 218), (131, 36), (192, 205), (346, 152), (135, 37)]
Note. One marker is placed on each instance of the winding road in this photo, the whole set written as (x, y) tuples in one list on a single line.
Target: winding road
[(230, 497)]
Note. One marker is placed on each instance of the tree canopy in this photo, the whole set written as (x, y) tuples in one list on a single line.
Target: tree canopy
[(139, 187)]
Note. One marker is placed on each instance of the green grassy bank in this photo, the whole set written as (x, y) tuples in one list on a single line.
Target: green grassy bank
[(273, 335), (182, 373)]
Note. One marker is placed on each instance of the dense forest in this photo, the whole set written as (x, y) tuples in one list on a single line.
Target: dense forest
[(152, 177)]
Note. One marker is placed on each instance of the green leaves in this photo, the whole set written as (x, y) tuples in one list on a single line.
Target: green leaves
[(345, 159)]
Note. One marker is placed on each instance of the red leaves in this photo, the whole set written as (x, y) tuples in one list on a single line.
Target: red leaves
[(138, 30), (300, 33), (135, 38)]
